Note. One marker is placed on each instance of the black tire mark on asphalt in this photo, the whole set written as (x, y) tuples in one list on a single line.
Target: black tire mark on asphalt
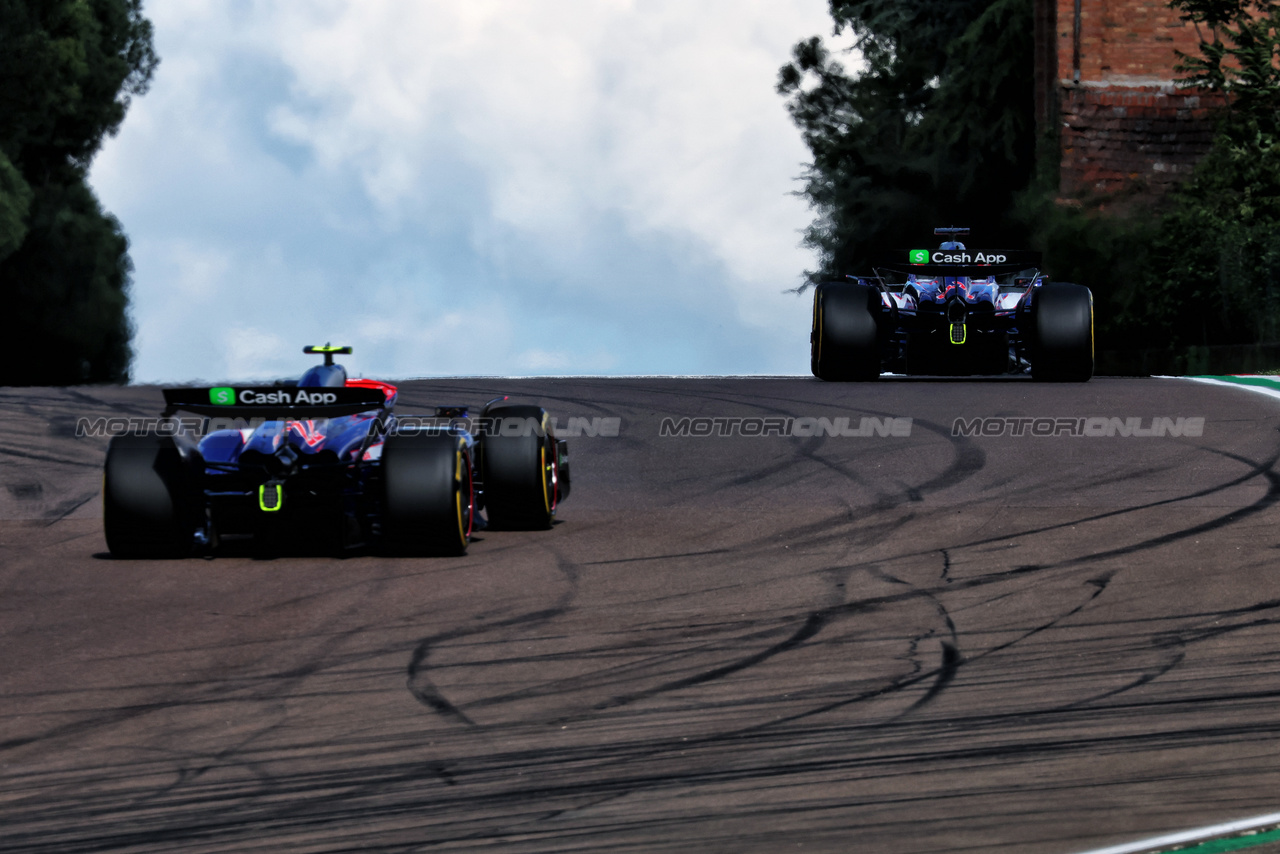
[(426, 693), (1230, 518), (947, 669), (1256, 469), (673, 556), (811, 626), (1263, 469), (1099, 584), (969, 459), (620, 672), (27, 491), (1144, 679), (951, 661), (951, 657), (269, 785), (424, 690), (1178, 641), (65, 508), (941, 676), (938, 678), (46, 458), (280, 684)]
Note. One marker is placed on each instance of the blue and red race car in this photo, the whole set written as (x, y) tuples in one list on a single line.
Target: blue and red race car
[(952, 311), (324, 463)]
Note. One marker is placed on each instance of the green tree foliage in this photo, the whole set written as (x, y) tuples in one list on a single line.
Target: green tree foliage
[(1107, 245), (69, 277), (1238, 57), (68, 69), (15, 203), (1215, 264), (936, 129)]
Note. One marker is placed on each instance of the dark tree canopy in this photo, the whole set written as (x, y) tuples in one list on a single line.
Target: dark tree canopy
[(1215, 271), (1239, 57), (69, 277), (68, 69), (936, 129)]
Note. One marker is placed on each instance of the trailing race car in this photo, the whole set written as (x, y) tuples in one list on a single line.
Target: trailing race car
[(325, 463), (953, 311)]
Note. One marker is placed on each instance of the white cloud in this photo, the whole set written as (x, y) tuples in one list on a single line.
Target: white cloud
[(664, 111), (253, 353), (558, 170)]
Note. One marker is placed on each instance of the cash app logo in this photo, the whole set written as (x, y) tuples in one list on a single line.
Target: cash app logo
[(919, 256), (224, 396)]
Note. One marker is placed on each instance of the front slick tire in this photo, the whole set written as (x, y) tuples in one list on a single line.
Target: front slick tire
[(1062, 333), (518, 466), (428, 499), (149, 499), (844, 344)]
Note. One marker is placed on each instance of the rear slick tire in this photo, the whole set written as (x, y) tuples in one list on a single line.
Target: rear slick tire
[(150, 502), (1062, 333), (519, 462), (844, 344), (428, 496)]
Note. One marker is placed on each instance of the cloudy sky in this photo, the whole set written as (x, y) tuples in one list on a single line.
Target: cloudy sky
[(455, 187)]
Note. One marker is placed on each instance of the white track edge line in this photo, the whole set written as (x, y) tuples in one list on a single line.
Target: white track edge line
[(1203, 834), (1244, 386)]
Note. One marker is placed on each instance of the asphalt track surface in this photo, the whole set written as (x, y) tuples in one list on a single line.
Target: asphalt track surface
[(727, 644)]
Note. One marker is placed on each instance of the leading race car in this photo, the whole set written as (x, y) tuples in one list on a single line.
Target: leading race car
[(325, 463), (953, 311)]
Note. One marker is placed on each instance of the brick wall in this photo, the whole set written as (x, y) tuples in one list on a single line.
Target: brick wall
[(1120, 42), (1144, 138), (1105, 71)]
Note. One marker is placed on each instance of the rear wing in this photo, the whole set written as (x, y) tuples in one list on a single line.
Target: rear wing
[(974, 263), (273, 403)]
